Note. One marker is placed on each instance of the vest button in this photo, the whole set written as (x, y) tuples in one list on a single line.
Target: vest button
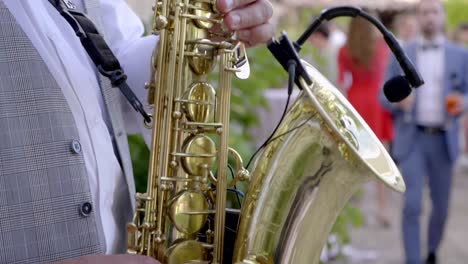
[(86, 208), (76, 146)]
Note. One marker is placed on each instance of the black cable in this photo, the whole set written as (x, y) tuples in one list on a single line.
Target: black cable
[(410, 73), (231, 170), (239, 192), (292, 65), (235, 187), (326, 15), (292, 76), (225, 226), (291, 130)]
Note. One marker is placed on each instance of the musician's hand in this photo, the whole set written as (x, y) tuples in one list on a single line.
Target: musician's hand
[(116, 259), (249, 18)]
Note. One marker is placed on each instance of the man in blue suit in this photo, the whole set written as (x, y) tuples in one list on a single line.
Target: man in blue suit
[(426, 130)]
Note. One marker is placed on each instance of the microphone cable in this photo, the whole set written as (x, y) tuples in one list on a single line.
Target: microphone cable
[(292, 76)]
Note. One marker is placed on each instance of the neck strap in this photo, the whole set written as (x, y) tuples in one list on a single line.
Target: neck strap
[(99, 52)]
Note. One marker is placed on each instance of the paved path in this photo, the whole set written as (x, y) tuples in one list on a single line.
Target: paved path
[(376, 245)]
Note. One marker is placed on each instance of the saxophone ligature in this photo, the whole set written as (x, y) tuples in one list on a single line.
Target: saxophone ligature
[(322, 152)]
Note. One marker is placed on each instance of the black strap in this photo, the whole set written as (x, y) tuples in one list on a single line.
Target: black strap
[(99, 51)]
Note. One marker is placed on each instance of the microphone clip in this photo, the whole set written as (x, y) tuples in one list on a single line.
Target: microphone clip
[(285, 52)]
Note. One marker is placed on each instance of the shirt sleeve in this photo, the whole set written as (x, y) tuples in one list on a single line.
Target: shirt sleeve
[(125, 34)]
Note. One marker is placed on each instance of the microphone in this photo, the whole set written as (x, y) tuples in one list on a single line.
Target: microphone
[(396, 89), (411, 74), (401, 84)]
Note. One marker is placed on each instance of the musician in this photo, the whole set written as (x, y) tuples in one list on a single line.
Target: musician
[(66, 183), (427, 128)]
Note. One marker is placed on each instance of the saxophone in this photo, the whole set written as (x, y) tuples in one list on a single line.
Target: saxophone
[(181, 219), (320, 155)]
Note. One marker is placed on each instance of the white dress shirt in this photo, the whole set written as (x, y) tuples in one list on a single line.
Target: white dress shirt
[(431, 64), (75, 73)]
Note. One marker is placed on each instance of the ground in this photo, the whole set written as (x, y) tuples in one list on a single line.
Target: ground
[(377, 245)]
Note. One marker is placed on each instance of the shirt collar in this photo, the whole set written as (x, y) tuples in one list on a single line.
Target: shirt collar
[(437, 42)]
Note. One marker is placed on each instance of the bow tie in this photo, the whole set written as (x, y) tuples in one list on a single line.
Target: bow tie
[(430, 46)]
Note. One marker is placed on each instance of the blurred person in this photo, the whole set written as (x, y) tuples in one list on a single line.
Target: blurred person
[(406, 27), (427, 128), (361, 70), (337, 36), (460, 36), (325, 56), (66, 183)]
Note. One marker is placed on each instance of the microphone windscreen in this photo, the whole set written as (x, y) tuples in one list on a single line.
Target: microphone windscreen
[(396, 89)]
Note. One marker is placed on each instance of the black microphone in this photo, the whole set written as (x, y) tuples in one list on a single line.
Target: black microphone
[(401, 84), (411, 74), (396, 89)]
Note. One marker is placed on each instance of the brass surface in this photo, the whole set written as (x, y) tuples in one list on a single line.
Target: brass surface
[(184, 252), (353, 131), (181, 208), (199, 144), (201, 57), (240, 173), (204, 10), (292, 202), (187, 182), (200, 104), (225, 78)]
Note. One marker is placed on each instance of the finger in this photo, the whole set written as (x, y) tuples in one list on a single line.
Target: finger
[(256, 35), (225, 6), (252, 15)]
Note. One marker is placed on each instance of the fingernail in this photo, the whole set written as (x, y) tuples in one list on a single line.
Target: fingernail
[(229, 5), (235, 20)]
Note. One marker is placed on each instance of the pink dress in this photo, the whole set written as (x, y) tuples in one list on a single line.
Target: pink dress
[(363, 93)]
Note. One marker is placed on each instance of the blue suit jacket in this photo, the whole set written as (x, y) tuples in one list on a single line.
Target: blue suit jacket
[(455, 79)]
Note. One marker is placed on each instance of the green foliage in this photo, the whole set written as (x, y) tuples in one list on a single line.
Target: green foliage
[(350, 217), (247, 98), (140, 158), (457, 12)]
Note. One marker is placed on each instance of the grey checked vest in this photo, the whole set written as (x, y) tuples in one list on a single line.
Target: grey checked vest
[(47, 212)]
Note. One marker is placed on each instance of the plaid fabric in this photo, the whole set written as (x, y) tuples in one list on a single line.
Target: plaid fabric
[(43, 180)]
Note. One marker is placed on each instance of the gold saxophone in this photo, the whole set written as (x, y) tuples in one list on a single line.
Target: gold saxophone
[(320, 155)]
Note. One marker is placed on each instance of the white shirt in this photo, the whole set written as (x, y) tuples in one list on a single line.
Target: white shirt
[(75, 73), (338, 38), (431, 64)]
